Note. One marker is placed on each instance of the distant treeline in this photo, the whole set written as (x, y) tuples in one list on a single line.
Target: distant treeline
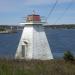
[(64, 26), (71, 26), (2, 29), (7, 27)]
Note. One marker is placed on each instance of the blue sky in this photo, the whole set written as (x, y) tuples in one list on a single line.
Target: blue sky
[(14, 11)]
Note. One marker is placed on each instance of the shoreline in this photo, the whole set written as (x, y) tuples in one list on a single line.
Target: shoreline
[(8, 31)]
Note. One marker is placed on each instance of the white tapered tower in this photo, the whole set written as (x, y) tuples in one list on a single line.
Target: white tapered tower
[(33, 43)]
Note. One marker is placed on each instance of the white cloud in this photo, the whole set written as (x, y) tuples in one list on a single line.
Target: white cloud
[(10, 5), (14, 5), (38, 2)]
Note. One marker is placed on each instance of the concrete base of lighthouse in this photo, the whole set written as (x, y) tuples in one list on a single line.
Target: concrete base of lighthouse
[(33, 44)]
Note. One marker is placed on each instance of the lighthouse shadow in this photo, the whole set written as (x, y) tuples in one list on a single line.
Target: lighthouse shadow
[(39, 28)]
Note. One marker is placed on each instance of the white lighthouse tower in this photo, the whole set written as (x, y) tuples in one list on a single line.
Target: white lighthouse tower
[(33, 43)]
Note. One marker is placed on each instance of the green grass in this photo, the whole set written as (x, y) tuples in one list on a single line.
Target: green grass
[(35, 67)]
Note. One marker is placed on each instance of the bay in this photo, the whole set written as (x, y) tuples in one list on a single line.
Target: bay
[(60, 40)]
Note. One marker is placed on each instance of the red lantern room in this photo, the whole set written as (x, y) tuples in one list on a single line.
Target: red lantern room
[(33, 18)]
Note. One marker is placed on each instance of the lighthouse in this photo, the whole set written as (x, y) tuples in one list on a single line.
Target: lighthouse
[(33, 43)]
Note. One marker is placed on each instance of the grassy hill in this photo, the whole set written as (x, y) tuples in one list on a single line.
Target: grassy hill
[(35, 67)]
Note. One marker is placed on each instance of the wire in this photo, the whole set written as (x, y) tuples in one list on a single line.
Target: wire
[(62, 15), (52, 10)]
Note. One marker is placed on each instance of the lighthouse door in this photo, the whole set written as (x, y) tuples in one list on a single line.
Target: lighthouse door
[(24, 49)]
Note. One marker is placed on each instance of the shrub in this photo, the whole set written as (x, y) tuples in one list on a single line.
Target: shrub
[(68, 56)]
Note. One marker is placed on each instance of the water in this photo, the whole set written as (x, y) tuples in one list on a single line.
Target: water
[(9, 43), (59, 40)]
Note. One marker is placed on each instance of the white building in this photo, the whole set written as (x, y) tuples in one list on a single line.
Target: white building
[(33, 43)]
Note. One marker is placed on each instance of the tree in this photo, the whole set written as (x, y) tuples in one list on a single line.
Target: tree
[(68, 56)]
